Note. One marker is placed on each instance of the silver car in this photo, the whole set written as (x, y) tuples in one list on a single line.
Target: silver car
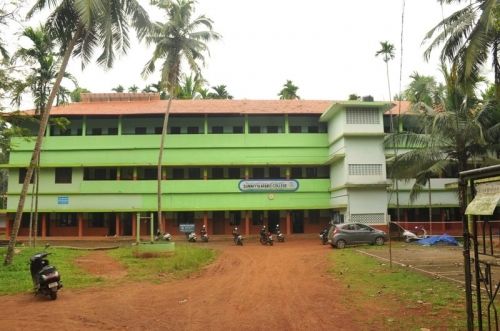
[(341, 235)]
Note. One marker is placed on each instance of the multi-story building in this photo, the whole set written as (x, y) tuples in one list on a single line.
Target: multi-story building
[(227, 163)]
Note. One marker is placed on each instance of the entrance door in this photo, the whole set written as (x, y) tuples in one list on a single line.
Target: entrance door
[(218, 222), (273, 219), (297, 221), (111, 224), (126, 219)]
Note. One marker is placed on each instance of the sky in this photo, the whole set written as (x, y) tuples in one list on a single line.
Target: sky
[(326, 47)]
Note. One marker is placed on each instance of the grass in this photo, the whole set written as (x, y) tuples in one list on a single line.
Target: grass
[(16, 278), (178, 263), (373, 280)]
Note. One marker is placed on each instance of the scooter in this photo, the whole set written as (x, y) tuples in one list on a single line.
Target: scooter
[(410, 236), (159, 236), (267, 239), (46, 278), (192, 237), (323, 235)]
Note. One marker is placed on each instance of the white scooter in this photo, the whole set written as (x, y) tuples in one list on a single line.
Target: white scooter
[(192, 237), (166, 237), (419, 233)]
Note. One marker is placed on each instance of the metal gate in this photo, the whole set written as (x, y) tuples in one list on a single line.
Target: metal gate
[(481, 251)]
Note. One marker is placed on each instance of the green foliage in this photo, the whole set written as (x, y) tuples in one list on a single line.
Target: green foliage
[(134, 88), (184, 260), (75, 95), (219, 92), (118, 89), (424, 89), (370, 278), (16, 277), (354, 97), (289, 91), (386, 50)]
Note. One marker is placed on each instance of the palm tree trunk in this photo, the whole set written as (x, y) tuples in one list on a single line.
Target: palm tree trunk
[(37, 182), (160, 158), (496, 65), (38, 145)]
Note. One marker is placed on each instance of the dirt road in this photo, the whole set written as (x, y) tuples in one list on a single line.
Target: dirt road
[(254, 287)]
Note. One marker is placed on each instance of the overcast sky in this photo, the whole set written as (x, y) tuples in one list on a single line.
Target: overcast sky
[(326, 47)]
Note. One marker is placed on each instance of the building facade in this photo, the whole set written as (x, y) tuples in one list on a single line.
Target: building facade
[(246, 163)]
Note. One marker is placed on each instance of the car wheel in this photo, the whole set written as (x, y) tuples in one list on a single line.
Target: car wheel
[(340, 244), (379, 241)]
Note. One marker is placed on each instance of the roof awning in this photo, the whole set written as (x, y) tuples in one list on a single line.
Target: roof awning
[(486, 199)]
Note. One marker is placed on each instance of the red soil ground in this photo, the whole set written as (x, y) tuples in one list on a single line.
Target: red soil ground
[(254, 287)]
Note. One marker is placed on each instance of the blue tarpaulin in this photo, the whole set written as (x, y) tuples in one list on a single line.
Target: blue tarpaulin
[(442, 239)]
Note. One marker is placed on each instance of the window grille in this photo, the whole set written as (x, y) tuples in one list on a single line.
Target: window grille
[(365, 169), (368, 218), (363, 116)]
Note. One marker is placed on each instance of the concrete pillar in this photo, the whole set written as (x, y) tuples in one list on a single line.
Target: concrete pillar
[(117, 224), (205, 173), (288, 223), (44, 225), (80, 225), (134, 174), (205, 220), (134, 224), (247, 222)]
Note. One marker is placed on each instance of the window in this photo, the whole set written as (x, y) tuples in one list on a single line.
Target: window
[(234, 173), (254, 129), (63, 220), (362, 116), (194, 173), (258, 173), (175, 130), (149, 173), (257, 217), (158, 130), (295, 129), (140, 130), (178, 173), (63, 175), (274, 172), (296, 172), (127, 173), (193, 130), (311, 172), (314, 216), (235, 218), (217, 129), (272, 129), (112, 131), (96, 131), (313, 129), (365, 169), (96, 220), (99, 173), (22, 175), (237, 129), (218, 173)]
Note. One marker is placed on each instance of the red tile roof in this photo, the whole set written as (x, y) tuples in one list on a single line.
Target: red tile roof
[(396, 110)]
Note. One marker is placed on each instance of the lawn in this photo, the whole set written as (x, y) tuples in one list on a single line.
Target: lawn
[(418, 300)]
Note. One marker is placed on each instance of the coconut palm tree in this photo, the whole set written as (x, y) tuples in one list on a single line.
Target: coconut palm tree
[(459, 132), (81, 27), (181, 38), (289, 91), (423, 91), (469, 36), (220, 92), (118, 89), (387, 52), (133, 89), (44, 66), (189, 87)]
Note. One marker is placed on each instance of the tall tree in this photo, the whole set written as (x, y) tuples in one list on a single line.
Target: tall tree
[(469, 36), (44, 66), (75, 95), (180, 38), (189, 87), (459, 132), (80, 26), (387, 52), (289, 91), (219, 92), (133, 89), (118, 89), (423, 91)]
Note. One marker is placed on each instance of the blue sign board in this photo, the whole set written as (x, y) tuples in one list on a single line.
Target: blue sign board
[(63, 200), (186, 228)]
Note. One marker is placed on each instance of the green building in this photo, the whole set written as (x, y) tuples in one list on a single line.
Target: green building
[(227, 163)]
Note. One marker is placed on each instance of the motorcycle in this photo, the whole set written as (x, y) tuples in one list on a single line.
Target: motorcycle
[(419, 233), (267, 239), (238, 240), (192, 237), (46, 278), (323, 235), (159, 236), (204, 237)]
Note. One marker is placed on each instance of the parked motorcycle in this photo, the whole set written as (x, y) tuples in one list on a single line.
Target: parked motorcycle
[(204, 237), (420, 233), (267, 239), (238, 240), (160, 236), (46, 278), (323, 235), (279, 235), (192, 237)]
